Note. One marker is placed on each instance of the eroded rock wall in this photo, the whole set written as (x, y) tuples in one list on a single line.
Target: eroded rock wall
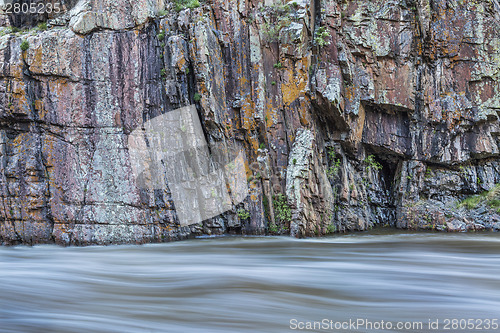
[(351, 114)]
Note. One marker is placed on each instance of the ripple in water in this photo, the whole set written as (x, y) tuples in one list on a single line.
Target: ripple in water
[(250, 284)]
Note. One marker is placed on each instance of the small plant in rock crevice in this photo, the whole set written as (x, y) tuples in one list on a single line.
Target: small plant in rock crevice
[(41, 26), (489, 198), (333, 170), (321, 36), (279, 17), (273, 228), (24, 46), (186, 4), (161, 35), (281, 208), (371, 163), (243, 214)]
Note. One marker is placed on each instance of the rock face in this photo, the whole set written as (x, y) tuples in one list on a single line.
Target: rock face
[(351, 114)]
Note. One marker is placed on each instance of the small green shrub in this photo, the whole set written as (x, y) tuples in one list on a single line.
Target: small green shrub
[(320, 37), (494, 203), (183, 4), (278, 65), (42, 26), (273, 228), (163, 72), (262, 146), (281, 208), (333, 170), (331, 228), (491, 198), (294, 161), (372, 163), (243, 214), (191, 4), (162, 13), (471, 202), (197, 97), (25, 45), (161, 35), (273, 83), (271, 32)]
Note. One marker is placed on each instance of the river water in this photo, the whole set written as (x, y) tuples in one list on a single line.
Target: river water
[(256, 284)]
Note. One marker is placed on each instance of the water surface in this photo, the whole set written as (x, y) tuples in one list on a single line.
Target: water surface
[(251, 284)]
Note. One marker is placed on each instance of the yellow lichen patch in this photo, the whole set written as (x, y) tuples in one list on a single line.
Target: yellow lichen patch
[(61, 87), (37, 60), (181, 63), (243, 80), (295, 85), (350, 93), (18, 94), (270, 116), (254, 143), (292, 90), (304, 112), (248, 110), (357, 133), (202, 88), (38, 104), (20, 139)]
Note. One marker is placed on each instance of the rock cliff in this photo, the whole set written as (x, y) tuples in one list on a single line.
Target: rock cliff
[(351, 114)]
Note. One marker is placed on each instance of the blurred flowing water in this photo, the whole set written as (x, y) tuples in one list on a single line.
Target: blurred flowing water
[(235, 284)]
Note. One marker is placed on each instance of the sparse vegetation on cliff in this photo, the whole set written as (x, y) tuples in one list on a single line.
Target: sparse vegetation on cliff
[(333, 170), (321, 37), (280, 18), (24, 45), (243, 214), (489, 198), (184, 4), (371, 163), (281, 208)]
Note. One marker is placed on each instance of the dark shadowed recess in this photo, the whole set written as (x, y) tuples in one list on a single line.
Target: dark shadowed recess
[(386, 135)]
